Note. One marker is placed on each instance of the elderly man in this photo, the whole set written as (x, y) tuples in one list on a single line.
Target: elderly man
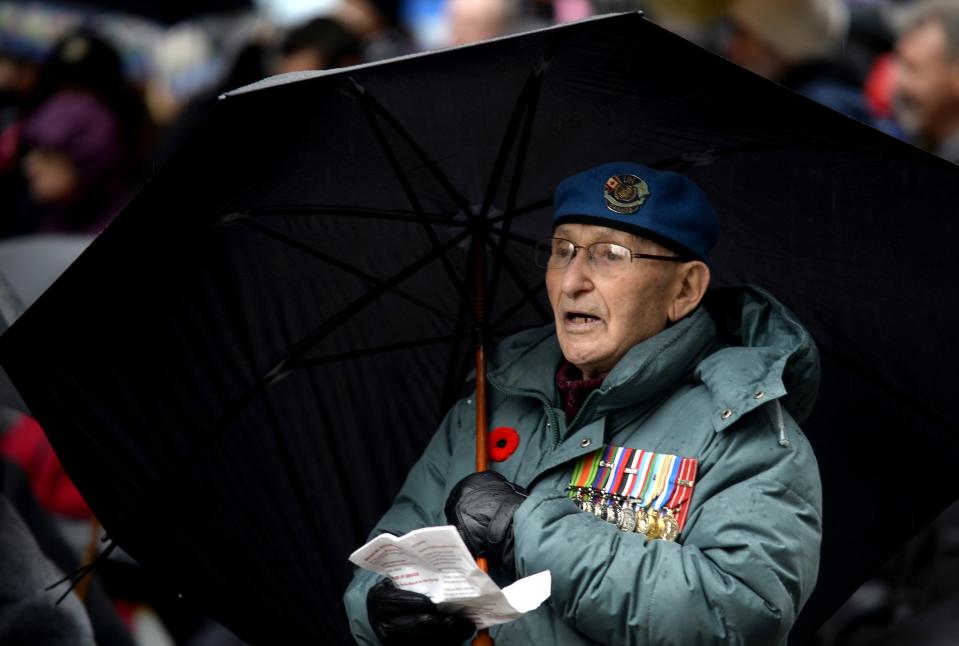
[(927, 77), (650, 455)]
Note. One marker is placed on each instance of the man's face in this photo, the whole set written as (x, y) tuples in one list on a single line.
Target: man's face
[(927, 83), (599, 318)]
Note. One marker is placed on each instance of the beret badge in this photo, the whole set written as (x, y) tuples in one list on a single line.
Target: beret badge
[(624, 194)]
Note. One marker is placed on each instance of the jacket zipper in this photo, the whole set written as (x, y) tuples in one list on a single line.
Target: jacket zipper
[(551, 422), (582, 409)]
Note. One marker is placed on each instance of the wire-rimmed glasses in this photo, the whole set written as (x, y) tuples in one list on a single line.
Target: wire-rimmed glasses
[(607, 258)]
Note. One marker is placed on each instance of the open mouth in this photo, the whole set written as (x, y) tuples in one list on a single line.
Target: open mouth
[(581, 318)]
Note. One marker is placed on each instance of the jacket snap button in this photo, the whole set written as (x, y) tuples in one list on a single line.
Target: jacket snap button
[(585, 442), (759, 394), (726, 414)]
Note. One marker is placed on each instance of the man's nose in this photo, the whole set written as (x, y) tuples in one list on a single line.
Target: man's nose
[(578, 274)]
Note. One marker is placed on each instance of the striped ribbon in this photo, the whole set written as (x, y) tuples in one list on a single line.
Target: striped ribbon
[(645, 479)]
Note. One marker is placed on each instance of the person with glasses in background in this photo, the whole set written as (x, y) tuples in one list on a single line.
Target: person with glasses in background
[(646, 446)]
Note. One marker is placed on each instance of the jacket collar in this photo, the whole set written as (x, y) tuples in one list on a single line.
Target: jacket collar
[(742, 344), (526, 364)]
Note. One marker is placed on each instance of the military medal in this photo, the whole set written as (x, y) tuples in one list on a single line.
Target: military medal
[(670, 526), (642, 521), (600, 509), (638, 491), (627, 519)]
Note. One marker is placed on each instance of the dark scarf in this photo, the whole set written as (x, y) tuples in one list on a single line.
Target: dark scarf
[(574, 388)]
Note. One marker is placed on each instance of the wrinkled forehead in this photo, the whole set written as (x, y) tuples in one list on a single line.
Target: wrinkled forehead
[(586, 234)]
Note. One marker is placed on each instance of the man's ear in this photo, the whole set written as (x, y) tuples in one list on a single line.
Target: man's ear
[(693, 279)]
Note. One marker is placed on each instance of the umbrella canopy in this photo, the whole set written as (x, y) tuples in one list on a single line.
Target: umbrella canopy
[(28, 265), (239, 371)]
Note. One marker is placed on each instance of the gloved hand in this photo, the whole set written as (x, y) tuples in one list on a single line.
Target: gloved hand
[(400, 617), (481, 506)]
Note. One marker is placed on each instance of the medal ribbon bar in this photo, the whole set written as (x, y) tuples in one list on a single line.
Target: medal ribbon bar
[(638, 491)]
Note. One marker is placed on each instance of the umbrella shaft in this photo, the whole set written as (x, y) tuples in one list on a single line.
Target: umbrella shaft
[(482, 460)]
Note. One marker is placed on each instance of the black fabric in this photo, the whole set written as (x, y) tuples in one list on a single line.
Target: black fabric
[(240, 370), (404, 618), (481, 507)]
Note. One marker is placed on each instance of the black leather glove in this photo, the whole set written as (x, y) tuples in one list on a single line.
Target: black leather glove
[(400, 617), (481, 506)]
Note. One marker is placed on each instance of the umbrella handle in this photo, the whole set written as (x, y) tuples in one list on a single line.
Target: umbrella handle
[(482, 637), (482, 459)]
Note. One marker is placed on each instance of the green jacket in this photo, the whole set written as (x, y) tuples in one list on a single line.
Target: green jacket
[(727, 386)]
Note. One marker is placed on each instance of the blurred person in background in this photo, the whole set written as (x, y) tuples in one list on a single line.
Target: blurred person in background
[(249, 66), (797, 43), (83, 61), (81, 138), (470, 21), (18, 80), (74, 164), (377, 30), (182, 65), (926, 81), (322, 43)]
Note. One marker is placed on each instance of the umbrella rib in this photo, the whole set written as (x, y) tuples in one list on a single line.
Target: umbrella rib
[(519, 237), (454, 368), (526, 97), (456, 371), (529, 292), (369, 104), (524, 210), (351, 212), (366, 101), (518, 304), (535, 83), (358, 354), (316, 253), (281, 368)]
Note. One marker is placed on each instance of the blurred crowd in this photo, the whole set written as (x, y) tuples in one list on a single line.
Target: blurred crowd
[(93, 102)]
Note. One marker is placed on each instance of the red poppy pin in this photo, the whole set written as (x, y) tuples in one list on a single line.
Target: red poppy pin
[(502, 442)]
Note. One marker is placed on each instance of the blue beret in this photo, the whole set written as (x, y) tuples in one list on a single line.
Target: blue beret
[(659, 205)]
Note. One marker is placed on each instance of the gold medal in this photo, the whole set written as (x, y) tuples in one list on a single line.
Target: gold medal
[(670, 526), (642, 521), (656, 526)]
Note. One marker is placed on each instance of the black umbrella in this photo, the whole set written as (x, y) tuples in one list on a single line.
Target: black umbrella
[(239, 372)]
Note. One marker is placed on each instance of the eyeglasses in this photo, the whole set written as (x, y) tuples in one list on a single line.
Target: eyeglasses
[(607, 258)]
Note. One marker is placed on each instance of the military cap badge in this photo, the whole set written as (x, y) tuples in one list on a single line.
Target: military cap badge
[(624, 194)]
